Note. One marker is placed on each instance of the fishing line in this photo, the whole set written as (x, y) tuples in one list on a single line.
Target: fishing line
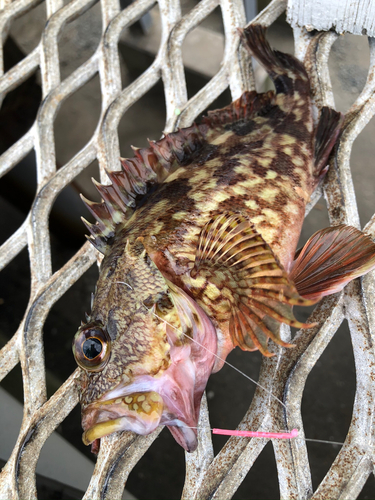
[(293, 434), (221, 359), (123, 283)]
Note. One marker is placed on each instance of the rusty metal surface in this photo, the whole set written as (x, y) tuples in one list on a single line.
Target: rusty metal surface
[(284, 375)]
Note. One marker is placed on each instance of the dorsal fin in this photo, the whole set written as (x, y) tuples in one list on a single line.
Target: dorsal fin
[(233, 257), (245, 108), (148, 167), (178, 148)]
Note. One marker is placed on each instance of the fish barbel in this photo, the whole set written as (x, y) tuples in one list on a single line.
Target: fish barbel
[(199, 234)]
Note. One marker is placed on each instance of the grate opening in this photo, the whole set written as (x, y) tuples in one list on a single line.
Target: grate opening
[(168, 465), (139, 43), (12, 383), (132, 131), (205, 63), (328, 401), (368, 490), (364, 177), (260, 482), (20, 106), (79, 39), (220, 393), (348, 80), (83, 184), (17, 192), (27, 28), (316, 219), (15, 290), (77, 120), (60, 327)]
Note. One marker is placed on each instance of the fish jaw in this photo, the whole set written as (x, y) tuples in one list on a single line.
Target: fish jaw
[(138, 412), (171, 403)]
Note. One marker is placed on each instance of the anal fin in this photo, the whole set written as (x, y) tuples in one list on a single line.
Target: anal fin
[(326, 133), (330, 259)]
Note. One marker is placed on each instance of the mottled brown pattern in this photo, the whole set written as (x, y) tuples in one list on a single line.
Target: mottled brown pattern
[(250, 164)]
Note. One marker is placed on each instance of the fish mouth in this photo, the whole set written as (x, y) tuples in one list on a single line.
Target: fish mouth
[(140, 412), (137, 412)]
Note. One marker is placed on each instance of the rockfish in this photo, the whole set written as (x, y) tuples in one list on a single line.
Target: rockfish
[(199, 234)]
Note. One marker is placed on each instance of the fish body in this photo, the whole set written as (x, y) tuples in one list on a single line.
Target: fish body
[(199, 234)]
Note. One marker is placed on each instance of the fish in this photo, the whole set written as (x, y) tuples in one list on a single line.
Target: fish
[(199, 234)]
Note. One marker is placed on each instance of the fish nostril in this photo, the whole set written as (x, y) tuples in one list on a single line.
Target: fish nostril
[(149, 302)]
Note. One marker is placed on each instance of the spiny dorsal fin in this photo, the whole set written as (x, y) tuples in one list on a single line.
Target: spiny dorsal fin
[(96, 236), (233, 257), (148, 167), (178, 148), (330, 259), (104, 228)]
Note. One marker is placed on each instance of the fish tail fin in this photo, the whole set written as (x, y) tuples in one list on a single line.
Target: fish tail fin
[(287, 73)]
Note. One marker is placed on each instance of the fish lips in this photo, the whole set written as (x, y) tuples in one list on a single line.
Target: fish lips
[(138, 412)]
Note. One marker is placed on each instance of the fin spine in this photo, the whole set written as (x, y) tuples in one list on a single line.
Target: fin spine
[(149, 166)]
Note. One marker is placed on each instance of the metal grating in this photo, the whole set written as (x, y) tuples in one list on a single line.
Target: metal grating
[(284, 375)]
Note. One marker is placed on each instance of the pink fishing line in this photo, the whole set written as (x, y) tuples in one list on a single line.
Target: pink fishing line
[(272, 435)]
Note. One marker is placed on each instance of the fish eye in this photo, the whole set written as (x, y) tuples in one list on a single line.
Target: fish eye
[(91, 347)]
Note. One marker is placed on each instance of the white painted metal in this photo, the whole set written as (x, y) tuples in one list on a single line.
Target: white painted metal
[(344, 16), (285, 374)]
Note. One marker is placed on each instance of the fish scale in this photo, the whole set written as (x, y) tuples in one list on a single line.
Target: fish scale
[(199, 233)]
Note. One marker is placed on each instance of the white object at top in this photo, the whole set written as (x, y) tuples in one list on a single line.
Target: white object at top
[(351, 16)]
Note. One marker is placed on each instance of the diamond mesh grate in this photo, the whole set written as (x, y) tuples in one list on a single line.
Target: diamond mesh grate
[(284, 375)]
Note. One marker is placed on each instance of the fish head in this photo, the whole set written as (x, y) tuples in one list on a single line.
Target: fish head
[(147, 351)]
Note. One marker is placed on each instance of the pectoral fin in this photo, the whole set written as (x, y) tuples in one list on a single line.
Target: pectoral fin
[(330, 259), (244, 283)]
